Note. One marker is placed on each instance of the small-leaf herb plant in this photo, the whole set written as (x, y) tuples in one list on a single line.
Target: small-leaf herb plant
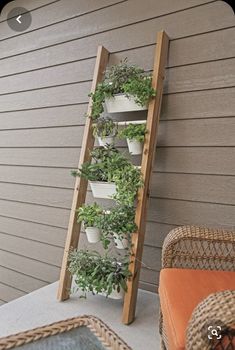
[(109, 165), (127, 180), (90, 215), (105, 127), (122, 78), (119, 220), (98, 274), (133, 132)]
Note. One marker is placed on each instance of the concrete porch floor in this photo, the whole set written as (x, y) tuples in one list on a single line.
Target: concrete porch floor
[(41, 308)]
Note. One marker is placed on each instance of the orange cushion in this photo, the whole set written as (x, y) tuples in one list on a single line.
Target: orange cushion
[(181, 290)]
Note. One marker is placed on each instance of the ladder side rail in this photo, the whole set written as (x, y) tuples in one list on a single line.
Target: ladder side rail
[(146, 169), (81, 184)]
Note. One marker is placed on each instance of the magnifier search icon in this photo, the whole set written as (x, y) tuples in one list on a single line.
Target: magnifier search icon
[(214, 332)]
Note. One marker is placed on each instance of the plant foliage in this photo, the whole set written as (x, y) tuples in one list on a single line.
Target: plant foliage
[(98, 274), (109, 165), (90, 215), (127, 180), (104, 127), (133, 132), (119, 220), (141, 89), (122, 78)]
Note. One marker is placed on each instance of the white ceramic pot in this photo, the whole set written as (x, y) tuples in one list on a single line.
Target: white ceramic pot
[(135, 147), (103, 189), (121, 103), (121, 243), (106, 141), (117, 295), (114, 294), (93, 234)]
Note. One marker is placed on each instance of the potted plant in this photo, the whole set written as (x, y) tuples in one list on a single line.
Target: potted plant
[(99, 274), (105, 129), (100, 171), (125, 88), (134, 134), (111, 175), (118, 223), (90, 216)]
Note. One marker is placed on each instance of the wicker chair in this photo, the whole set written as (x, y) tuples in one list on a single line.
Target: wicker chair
[(196, 248)]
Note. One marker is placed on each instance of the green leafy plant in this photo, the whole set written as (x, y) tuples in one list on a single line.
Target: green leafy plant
[(103, 153), (98, 98), (122, 78), (105, 127), (92, 172), (98, 274), (118, 75), (109, 165), (90, 215), (141, 89), (133, 132), (104, 163), (127, 180), (119, 220)]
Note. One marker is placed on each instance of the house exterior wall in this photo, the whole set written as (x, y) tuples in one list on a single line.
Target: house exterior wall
[(45, 76)]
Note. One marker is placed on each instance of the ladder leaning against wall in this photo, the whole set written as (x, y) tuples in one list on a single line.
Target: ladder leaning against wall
[(80, 190)]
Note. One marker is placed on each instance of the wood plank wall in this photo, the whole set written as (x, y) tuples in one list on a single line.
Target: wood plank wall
[(45, 76)]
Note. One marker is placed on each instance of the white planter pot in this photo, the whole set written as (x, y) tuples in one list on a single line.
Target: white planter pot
[(106, 141), (121, 243), (121, 103), (135, 147), (93, 234), (103, 189), (115, 294)]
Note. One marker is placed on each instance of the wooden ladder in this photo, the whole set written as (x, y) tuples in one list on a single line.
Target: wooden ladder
[(81, 184)]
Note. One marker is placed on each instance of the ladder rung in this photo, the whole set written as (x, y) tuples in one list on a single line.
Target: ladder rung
[(127, 122), (131, 122)]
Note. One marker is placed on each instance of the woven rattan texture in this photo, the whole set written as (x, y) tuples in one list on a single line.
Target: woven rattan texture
[(227, 341), (199, 248), (217, 309), (106, 336), (193, 247)]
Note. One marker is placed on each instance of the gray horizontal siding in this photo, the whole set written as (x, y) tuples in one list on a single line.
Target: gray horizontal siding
[(38, 232), (43, 98), (192, 187), (106, 19), (183, 133), (25, 283), (199, 160), (124, 38), (29, 267), (30, 5)]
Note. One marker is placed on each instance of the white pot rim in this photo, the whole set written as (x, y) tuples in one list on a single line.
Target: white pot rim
[(91, 227), (119, 94), (106, 137), (102, 182), (133, 140)]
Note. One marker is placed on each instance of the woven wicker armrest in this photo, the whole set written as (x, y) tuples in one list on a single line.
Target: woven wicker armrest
[(212, 323), (199, 248)]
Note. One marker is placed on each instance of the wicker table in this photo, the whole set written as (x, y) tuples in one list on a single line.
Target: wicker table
[(81, 333)]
